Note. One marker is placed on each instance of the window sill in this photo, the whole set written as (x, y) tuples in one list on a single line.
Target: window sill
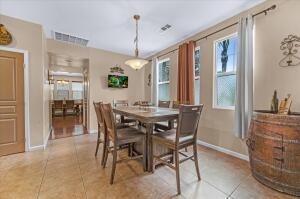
[(230, 108)]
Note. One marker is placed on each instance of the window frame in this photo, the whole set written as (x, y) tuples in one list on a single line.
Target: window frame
[(164, 82), (215, 75), (197, 77)]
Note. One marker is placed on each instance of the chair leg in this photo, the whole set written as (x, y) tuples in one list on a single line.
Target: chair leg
[(177, 171), (98, 141), (196, 161), (113, 170), (144, 155), (104, 150)]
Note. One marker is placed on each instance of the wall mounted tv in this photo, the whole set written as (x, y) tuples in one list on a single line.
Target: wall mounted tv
[(117, 81)]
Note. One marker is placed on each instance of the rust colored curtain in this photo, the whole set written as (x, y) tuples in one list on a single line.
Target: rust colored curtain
[(185, 87)]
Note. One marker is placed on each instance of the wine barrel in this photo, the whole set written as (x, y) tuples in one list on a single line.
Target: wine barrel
[(274, 150)]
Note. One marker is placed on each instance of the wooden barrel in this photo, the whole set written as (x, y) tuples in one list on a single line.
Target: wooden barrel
[(274, 150)]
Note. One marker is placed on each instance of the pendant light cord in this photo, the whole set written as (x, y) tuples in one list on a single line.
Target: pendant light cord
[(137, 36)]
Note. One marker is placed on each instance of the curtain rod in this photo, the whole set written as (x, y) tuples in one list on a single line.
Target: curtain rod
[(265, 11)]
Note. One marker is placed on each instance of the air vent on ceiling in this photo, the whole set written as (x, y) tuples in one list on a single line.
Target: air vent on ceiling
[(166, 27), (70, 39)]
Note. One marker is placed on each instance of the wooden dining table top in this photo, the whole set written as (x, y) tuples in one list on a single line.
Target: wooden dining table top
[(149, 114)]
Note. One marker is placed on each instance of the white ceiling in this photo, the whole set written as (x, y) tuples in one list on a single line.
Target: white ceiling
[(108, 24)]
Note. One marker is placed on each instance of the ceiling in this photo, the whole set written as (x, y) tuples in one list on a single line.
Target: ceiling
[(108, 24)]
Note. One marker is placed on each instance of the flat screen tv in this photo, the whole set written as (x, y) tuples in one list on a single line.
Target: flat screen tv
[(117, 81)]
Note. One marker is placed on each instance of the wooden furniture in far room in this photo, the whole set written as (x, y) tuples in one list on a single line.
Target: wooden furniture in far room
[(70, 107), (119, 137), (184, 136), (58, 107), (274, 150)]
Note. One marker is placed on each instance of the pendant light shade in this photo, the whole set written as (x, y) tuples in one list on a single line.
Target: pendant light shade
[(136, 63)]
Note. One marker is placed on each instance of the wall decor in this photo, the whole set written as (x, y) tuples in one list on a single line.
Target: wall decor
[(117, 69), (5, 36), (274, 103), (149, 80), (289, 47)]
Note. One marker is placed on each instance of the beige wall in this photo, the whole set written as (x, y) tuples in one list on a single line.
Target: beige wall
[(29, 36), (99, 63), (216, 126), (46, 92), (270, 31)]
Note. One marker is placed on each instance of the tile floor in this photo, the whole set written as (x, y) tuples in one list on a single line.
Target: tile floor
[(69, 169)]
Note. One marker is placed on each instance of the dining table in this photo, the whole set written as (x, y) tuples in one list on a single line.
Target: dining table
[(148, 116)]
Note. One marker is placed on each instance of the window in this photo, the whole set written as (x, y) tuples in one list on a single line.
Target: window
[(197, 75), (164, 79), (225, 71), (62, 90), (77, 90)]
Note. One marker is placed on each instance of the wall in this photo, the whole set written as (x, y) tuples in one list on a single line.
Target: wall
[(99, 63), (46, 93), (29, 36), (270, 31), (216, 125)]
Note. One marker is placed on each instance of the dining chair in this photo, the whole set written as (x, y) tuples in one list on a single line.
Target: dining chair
[(163, 125), (119, 138), (58, 105), (100, 124), (183, 136), (70, 106), (123, 119), (164, 104)]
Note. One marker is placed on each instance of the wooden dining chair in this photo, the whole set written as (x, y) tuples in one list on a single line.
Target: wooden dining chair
[(100, 125), (58, 106), (101, 129), (163, 125), (123, 119), (119, 138), (164, 104), (176, 139), (70, 106)]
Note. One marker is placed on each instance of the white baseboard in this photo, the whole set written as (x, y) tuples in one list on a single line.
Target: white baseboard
[(47, 139), (93, 131), (39, 147), (224, 150)]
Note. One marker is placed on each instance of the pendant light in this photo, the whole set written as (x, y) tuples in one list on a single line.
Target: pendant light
[(136, 63)]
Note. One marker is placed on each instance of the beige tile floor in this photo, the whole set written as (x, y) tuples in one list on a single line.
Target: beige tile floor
[(69, 169)]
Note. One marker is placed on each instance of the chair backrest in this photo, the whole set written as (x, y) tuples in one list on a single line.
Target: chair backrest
[(98, 112), (70, 104), (58, 103), (176, 104), (109, 120), (142, 103), (120, 103), (189, 116), (164, 104)]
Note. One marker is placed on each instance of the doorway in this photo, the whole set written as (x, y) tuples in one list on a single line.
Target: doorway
[(12, 106), (69, 96)]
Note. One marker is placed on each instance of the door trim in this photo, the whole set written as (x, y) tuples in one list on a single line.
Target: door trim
[(26, 93)]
